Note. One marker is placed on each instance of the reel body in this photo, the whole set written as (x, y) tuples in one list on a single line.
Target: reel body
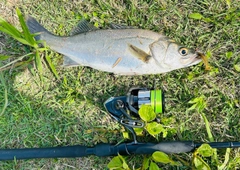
[(124, 109)]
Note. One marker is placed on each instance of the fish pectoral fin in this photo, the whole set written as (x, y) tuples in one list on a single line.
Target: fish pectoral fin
[(83, 27), (118, 26), (140, 54), (68, 62)]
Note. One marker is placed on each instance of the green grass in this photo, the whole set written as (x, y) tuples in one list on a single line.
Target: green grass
[(69, 110)]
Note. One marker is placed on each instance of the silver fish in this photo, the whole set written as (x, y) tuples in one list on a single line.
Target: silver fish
[(120, 50)]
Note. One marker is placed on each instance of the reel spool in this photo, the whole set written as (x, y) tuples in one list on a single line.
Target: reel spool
[(139, 96)]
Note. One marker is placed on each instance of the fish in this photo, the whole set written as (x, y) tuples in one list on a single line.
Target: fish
[(119, 49)]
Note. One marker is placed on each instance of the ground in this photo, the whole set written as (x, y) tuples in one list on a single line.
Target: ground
[(69, 110)]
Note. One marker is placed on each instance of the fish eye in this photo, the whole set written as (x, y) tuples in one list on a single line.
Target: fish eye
[(183, 51)]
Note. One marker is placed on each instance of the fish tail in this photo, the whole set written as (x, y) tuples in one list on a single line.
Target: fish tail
[(35, 27)]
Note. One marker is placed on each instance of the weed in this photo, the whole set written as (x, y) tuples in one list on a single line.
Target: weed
[(25, 37)]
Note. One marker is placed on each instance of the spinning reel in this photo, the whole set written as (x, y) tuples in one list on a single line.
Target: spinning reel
[(124, 109)]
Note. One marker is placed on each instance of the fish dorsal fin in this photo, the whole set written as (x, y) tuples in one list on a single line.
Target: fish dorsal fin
[(118, 26), (82, 27)]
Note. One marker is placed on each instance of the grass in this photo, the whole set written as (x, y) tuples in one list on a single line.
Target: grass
[(69, 110)]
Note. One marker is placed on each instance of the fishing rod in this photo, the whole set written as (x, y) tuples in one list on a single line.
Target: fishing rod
[(123, 109), (108, 150)]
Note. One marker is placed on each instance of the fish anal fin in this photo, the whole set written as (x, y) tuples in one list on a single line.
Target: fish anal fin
[(140, 54), (68, 62), (82, 27)]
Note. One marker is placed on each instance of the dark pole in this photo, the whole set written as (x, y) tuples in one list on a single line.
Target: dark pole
[(108, 150)]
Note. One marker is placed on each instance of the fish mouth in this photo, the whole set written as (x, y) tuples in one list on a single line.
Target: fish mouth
[(195, 59)]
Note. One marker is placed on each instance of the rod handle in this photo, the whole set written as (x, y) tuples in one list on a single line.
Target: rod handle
[(54, 152)]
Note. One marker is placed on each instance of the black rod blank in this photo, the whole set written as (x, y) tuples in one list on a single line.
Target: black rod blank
[(108, 149)]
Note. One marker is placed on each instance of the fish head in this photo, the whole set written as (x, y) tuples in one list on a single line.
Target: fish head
[(172, 55), (178, 56)]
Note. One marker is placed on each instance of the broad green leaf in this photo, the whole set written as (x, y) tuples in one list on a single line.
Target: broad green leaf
[(195, 16), (153, 166), (229, 54), (237, 67), (139, 131), (125, 135), (200, 164), (161, 157), (4, 57), (154, 128), (115, 163), (145, 164), (205, 150), (124, 164), (147, 113)]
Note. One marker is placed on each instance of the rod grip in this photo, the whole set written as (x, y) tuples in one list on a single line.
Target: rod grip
[(54, 152)]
